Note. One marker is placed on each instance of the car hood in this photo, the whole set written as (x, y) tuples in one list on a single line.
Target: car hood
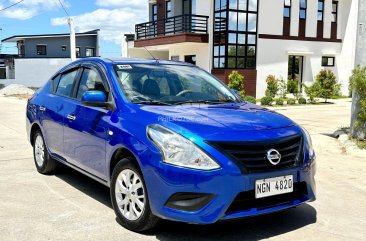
[(216, 118)]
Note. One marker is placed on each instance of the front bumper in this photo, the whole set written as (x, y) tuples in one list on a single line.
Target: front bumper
[(228, 188)]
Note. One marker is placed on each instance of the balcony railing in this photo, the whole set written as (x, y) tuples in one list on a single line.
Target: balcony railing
[(169, 26)]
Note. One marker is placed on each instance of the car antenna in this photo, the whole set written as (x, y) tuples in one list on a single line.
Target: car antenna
[(150, 54)]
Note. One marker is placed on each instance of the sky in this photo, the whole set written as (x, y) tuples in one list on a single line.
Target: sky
[(113, 17)]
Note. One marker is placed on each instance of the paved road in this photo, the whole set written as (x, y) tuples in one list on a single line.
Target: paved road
[(68, 206)]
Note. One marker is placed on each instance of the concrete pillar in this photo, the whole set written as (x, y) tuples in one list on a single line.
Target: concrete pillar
[(295, 11), (327, 18), (360, 59)]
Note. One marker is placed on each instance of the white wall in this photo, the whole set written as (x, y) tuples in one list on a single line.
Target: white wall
[(36, 72), (201, 50), (142, 53), (348, 26)]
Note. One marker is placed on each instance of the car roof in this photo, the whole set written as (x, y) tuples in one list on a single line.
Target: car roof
[(131, 61), (120, 61)]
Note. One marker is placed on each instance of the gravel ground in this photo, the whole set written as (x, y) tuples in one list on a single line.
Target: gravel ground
[(16, 89)]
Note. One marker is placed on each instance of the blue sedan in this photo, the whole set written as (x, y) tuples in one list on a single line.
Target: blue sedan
[(171, 141)]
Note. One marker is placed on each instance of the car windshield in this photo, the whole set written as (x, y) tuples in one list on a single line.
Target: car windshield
[(166, 84)]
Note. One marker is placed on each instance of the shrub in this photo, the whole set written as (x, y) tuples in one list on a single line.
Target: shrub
[(236, 82), (291, 101), (272, 86), (282, 88), (267, 100), (327, 84), (337, 90), (358, 84), (302, 100), (250, 99), (279, 101), (312, 91), (293, 86)]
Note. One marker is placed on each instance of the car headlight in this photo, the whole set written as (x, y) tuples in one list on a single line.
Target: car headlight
[(309, 144), (178, 150)]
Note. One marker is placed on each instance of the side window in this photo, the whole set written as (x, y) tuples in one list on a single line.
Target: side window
[(55, 82), (90, 80), (65, 84)]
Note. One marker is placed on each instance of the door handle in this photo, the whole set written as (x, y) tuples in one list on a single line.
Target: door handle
[(71, 117), (42, 108)]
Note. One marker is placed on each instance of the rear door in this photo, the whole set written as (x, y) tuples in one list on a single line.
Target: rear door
[(86, 128), (53, 108)]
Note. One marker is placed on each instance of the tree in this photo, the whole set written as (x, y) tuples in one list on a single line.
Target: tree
[(327, 82), (236, 82), (272, 86)]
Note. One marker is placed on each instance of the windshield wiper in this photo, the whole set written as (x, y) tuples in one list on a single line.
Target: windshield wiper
[(151, 102), (209, 102)]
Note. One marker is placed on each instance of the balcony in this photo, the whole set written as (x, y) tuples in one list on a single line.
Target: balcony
[(177, 29)]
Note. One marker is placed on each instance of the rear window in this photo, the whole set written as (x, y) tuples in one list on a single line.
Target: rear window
[(66, 82)]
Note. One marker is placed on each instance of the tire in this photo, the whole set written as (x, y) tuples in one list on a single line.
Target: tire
[(125, 196), (43, 161)]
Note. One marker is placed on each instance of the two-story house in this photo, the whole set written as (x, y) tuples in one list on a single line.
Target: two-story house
[(41, 55), (292, 39)]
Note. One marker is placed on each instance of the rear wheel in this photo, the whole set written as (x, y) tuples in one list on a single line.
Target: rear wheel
[(44, 163), (129, 197)]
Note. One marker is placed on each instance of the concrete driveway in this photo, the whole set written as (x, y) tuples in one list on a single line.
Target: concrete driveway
[(69, 206)]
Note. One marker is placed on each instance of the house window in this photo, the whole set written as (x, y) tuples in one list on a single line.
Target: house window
[(41, 49), (320, 10), (302, 9), (154, 13), (190, 59), (63, 48), (168, 9), (174, 58), (334, 11), (287, 9), (89, 52), (77, 50), (328, 61), (235, 34)]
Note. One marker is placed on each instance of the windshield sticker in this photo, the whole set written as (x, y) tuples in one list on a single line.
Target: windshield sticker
[(124, 66)]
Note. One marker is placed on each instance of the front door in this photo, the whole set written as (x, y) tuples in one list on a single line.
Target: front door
[(86, 128), (295, 69)]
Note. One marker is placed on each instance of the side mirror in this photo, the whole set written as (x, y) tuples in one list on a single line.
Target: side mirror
[(96, 98)]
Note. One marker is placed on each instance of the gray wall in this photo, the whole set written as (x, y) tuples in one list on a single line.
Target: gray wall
[(35, 72), (54, 46)]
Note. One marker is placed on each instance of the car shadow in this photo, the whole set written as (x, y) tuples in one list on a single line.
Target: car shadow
[(253, 228), (88, 186)]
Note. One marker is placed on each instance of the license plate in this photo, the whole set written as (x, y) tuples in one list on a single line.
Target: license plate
[(273, 186)]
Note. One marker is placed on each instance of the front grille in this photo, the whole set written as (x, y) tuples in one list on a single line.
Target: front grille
[(250, 156), (245, 201)]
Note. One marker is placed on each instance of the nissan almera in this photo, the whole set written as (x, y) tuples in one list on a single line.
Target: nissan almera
[(171, 141)]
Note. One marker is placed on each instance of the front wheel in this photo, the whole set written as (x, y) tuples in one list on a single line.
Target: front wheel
[(129, 198)]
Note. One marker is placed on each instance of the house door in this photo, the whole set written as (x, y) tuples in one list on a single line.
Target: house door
[(189, 7), (295, 69)]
